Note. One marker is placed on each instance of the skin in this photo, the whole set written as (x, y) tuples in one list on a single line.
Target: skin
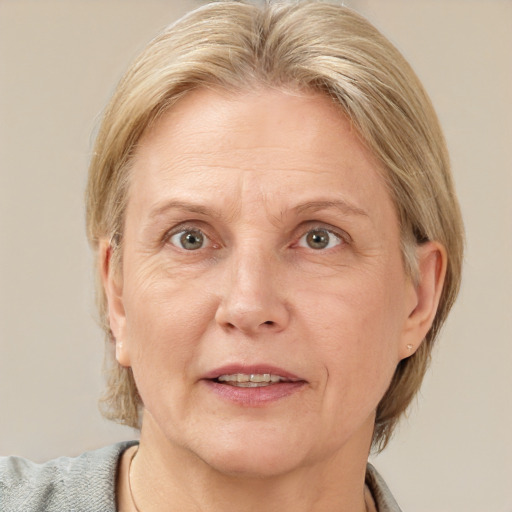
[(255, 174)]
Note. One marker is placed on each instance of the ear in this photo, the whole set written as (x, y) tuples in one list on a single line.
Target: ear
[(111, 278), (425, 295)]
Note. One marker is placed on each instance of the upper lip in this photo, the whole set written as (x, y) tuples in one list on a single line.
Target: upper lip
[(257, 369)]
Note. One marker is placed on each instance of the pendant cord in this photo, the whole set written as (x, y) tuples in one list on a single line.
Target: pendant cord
[(130, 480), (369, 505)]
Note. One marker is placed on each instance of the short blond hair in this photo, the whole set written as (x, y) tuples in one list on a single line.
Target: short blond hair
[(316, 46)]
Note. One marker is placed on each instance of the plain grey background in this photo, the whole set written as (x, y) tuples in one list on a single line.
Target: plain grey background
[(59, 62)]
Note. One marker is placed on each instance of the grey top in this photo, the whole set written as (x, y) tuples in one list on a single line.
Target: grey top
[(87, 483)]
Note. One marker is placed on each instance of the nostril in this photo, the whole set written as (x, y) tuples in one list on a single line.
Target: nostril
[(268, 322)]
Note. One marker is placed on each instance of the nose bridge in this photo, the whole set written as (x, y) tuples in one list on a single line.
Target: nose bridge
[(252, 298)]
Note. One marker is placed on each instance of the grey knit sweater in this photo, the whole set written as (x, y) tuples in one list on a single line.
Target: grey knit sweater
[(87, 483)]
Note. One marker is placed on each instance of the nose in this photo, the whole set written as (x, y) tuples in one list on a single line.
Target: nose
[(253, 295)]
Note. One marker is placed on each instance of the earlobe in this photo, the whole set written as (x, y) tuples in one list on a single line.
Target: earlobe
[(112, 284), (122, 356), (432, 261)]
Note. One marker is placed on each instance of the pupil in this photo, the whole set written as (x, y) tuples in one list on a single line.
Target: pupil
[(318, 239), (191, 240)]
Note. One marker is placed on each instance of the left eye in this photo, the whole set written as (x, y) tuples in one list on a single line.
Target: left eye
[(319, 239), (189, 239)]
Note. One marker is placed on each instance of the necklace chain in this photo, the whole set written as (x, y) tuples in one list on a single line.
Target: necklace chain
[(130, 480), (368, 507)]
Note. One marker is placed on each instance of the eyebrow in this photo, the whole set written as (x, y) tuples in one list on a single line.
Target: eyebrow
[(308, 207), (343, 206), (184, 206)]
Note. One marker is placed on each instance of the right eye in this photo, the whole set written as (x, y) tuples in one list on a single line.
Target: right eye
[(319, 239), (189, 239)]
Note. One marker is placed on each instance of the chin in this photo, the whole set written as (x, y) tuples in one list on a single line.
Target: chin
[(252, 456), (242, 466)]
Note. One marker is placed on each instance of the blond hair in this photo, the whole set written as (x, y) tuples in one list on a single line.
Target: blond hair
[(315, 46)]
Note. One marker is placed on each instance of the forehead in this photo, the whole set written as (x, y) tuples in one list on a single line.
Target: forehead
[(290, 145)]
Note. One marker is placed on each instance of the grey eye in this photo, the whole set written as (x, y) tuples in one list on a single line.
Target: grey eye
[(319, 239), (189, 239)]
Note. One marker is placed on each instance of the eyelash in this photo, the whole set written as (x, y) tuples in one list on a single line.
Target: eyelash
[(322, 231), (175, 238), (181, 231)]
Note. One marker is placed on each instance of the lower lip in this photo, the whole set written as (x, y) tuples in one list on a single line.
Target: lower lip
[(254, 397)]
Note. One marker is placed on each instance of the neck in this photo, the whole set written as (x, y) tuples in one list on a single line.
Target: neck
[(163, 474)]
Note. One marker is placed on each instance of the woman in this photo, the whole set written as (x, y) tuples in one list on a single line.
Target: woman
[(278, 243)]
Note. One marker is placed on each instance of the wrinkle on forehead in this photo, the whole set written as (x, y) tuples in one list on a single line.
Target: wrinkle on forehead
[(247, 154)]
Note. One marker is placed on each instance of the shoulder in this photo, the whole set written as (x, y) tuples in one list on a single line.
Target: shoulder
[(84, 483), (380, 492)]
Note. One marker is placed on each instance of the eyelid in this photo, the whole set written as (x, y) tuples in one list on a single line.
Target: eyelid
[(183, 227), (206, 242), (307, 227), (338, 240)]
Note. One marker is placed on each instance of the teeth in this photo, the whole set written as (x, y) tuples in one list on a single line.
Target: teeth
[(252, 380)]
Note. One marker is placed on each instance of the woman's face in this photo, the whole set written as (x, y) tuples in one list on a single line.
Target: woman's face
[(260, 240)]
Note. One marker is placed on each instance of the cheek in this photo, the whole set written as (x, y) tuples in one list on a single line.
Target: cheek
[(357, 329), (367, 305), (165, 322), (165, 318)]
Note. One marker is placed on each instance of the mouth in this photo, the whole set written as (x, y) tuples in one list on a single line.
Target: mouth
[(253, 386), (251, 380)]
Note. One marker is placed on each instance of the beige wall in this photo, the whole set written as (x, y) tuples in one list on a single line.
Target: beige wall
[(58, 63)]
